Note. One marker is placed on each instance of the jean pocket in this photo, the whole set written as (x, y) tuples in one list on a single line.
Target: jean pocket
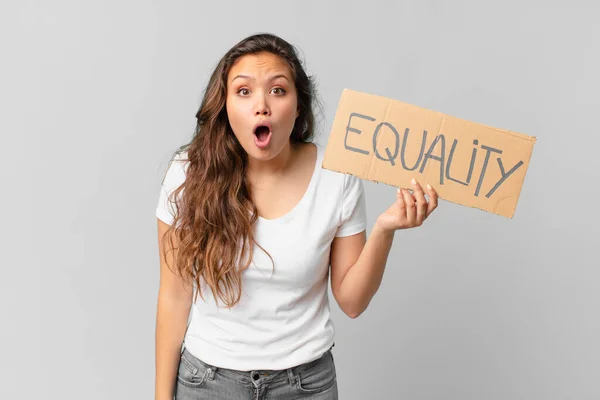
[(319, 377), (191, 374)]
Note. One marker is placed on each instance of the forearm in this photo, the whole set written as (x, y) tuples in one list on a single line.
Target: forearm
[(363, 279), (171, 321)]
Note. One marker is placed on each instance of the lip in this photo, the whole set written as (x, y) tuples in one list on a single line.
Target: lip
[(261, 123), (264, 144)]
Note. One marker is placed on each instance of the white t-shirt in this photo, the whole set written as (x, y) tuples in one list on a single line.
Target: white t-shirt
[(283, 318)]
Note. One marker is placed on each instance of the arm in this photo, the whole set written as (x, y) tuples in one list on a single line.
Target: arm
[(174, 301), (357, 264), (357, 269)]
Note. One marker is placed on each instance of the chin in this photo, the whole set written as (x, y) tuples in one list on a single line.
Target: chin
[(266, 154), (262, 154)]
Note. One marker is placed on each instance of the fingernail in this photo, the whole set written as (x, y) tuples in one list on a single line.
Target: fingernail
[(414, 182), (428, 186), (398, 190)]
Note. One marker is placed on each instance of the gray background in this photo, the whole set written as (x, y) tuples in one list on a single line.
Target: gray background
[(96, 95)]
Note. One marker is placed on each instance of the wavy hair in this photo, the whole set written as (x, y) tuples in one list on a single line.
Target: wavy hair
[(214, 212)]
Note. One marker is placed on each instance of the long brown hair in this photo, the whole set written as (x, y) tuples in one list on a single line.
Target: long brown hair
[(214, 213)]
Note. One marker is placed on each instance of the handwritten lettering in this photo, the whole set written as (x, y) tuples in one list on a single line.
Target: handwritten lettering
[(436, 152)]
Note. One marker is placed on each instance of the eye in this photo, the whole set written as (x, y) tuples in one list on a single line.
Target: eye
[(278, 90), (243, 92)]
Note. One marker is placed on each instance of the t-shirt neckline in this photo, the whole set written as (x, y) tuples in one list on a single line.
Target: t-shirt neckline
[(300, 204)]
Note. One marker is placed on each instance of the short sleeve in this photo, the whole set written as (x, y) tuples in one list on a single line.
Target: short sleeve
[(354, 213), (174, 177)]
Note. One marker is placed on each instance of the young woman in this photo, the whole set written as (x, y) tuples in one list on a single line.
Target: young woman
[(250, 229)]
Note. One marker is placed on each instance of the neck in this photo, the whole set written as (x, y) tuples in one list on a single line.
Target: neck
[(259, 170)]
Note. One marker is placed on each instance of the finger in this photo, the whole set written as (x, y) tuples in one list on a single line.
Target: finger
[(433, 199), (411, 207), (412, 194), (400, 201), (421, 202)]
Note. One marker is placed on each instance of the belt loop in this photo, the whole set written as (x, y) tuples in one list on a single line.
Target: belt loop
[(291, 377), (211, 372)]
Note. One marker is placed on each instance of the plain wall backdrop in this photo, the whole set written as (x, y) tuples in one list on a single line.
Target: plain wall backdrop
[(95, 97)]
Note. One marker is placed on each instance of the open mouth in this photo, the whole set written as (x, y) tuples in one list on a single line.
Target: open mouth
[(262, 132)]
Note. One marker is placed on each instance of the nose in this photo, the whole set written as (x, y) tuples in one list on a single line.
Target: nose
[(261, 107)]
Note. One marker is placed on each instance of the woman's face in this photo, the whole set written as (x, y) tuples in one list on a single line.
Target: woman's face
[(262, 104)]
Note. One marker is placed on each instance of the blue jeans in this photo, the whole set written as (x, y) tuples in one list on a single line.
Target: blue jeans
[(198, 380)]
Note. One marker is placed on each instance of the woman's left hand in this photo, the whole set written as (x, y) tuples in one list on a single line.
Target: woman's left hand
[(409, 210)]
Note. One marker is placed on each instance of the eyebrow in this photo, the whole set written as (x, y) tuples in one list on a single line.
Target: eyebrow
[(252, 79)]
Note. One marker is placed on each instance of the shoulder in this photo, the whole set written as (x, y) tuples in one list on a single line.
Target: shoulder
[(344, 193), (173, 178), (340, 180), (176, 170)]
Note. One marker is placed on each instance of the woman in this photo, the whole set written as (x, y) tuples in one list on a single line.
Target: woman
[(249, 222)]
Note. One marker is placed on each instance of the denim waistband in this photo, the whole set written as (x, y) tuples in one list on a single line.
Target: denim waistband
[(254, 376)]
